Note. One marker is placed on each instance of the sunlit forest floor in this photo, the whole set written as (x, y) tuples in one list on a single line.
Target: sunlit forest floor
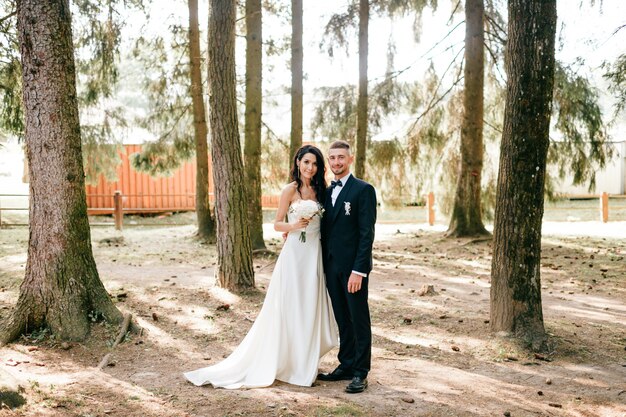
[(433, 355)]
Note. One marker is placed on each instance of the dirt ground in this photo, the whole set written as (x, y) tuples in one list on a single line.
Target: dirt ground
[(432, 355)]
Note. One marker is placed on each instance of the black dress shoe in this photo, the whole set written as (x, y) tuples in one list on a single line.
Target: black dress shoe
[(357, 385), (336, 375)]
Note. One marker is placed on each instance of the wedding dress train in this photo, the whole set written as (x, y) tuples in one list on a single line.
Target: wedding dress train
[(294, 329)]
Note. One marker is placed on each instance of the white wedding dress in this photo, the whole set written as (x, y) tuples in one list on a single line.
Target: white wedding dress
[(294, 329)]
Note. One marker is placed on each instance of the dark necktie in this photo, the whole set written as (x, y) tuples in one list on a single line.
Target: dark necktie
[(334, 184)]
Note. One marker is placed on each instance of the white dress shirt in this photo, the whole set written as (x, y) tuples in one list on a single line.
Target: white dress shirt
[(338, 188)]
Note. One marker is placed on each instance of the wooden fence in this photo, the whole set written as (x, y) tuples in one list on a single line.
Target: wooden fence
[(143, 193), (119, 204)]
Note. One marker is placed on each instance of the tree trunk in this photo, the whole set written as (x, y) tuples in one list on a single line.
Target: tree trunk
[(206, 224), (361, 122), (467, 212), (234, 252), (254, 92), (515, 270), (61, 288), (296, 78)]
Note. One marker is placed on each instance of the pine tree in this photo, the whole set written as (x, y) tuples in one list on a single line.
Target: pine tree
[(297, 63), (361, 107), (466, 219), (206, 224), (253, 115), (515, 269), (61, 289), (234, 252)]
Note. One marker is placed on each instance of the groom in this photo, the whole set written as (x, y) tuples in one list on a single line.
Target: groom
[(347, 238)]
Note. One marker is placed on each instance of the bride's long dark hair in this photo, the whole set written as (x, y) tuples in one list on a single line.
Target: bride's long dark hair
[(318, 182)]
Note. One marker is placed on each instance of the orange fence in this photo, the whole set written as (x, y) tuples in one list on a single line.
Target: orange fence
[(143, 193)]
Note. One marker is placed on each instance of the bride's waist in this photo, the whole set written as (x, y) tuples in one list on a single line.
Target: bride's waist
[(307, 231)]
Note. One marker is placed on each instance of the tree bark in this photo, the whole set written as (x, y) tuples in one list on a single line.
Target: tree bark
[(515, 271), (297, 59), (254, 94), (361, 122), (61, 288), (467, 212), (206, 223), (234, 252)]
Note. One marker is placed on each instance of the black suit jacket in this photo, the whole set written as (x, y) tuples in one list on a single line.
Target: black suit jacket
[(348, 227)]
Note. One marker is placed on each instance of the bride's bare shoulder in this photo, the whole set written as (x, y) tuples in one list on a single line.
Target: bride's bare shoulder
[(290, 188)]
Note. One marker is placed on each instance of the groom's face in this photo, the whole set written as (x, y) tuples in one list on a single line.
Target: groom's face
[(340, 161)]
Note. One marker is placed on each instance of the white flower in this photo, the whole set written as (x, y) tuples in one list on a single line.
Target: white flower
[(346, 206), (306, 209)]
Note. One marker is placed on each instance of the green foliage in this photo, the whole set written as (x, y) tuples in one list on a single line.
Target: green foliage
[(169, 117), (584, 147), (100, 152), (495, 38), (11, 109), (388, 159), (162, 157), (275, 163), (342, 28), (615, 74), (96, 41), (97, 28), (335, 116)]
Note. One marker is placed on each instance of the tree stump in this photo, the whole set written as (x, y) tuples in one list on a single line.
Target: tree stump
[(427, 290)]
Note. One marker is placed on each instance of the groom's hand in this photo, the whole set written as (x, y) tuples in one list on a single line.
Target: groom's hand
[(354, 283)]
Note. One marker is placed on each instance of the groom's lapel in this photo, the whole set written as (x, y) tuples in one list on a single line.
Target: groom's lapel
[(328, 203), (341, 198)]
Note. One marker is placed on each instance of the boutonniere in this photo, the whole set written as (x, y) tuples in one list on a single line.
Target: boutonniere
[(346, 206)]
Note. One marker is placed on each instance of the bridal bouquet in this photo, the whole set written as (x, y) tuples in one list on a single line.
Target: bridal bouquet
[(306, 209)]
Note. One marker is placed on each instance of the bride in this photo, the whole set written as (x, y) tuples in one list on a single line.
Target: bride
[(295, 327)]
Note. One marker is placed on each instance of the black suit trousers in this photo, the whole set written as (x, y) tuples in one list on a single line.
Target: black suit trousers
[(353, 319)]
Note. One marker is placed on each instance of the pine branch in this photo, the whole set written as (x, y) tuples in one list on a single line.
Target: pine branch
[(502, 32), (456, 7), (7, 17), (436, 100), (494, 58), (184, 110), (397, 73), (274, 135), (497, 129), (618, 29)]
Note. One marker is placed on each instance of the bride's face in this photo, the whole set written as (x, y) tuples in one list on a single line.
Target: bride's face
[(308, 166)]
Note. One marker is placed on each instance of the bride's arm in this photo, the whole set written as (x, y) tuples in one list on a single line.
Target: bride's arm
[(280, 223)]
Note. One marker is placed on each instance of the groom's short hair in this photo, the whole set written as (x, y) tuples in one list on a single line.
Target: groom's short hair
[(340, 144)]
